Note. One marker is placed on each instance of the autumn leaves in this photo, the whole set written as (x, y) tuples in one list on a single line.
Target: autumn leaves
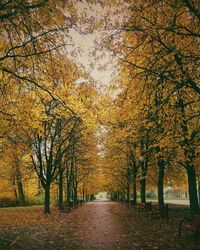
[(154, 137), (45, 114), (149, 130)]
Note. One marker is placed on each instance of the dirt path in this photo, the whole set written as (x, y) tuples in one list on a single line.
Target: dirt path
[(96, 225), (92, 226), (101, 229)]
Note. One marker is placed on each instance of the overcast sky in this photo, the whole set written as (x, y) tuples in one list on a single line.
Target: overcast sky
[(102, 66)]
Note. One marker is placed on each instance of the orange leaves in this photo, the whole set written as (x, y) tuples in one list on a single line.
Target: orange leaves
[(18, 218)]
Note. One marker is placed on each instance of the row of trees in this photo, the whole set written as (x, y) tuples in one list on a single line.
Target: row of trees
[(153, 133), (64, 150), (47, 117)]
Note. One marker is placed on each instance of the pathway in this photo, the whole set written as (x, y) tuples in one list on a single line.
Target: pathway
[(97, 225)]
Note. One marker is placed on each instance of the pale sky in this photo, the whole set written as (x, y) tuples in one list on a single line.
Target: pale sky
[(101, 69), (102, 66)]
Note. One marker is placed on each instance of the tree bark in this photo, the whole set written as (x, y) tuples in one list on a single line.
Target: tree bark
[(199, 190), (128, 186), (123, 195), (15, 190), (60, 195), (135, 173), (144, 167), (134, 191), (118, 195), (47, 200), (128, 193), (83, 193), (20, 186), (189, 152), (68, 194), (143, 190), (192, 190), (161, 169), (75, 197)]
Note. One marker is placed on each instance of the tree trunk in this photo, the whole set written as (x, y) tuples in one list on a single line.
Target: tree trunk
[(128, 186), (192, 190), (161, 169), (190, 154), (118, 195), (144, 166), (20, 187), (143, 189), (123, 195), (83, 193), (75, 197), (134, 191), (21, 193), (128, 193), (60, 195), (15, 190), (68, 194), (47, 200), (135, 173)]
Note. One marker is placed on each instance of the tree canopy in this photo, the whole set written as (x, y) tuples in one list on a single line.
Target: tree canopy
[(67, 136)]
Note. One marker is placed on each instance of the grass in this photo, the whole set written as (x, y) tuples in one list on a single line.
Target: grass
[(7, 209)]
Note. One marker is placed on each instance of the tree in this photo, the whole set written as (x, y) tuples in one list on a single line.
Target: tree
[(161, 48), (49, 146)]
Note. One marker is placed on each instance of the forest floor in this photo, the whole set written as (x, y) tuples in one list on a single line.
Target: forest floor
[(95, 225)]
